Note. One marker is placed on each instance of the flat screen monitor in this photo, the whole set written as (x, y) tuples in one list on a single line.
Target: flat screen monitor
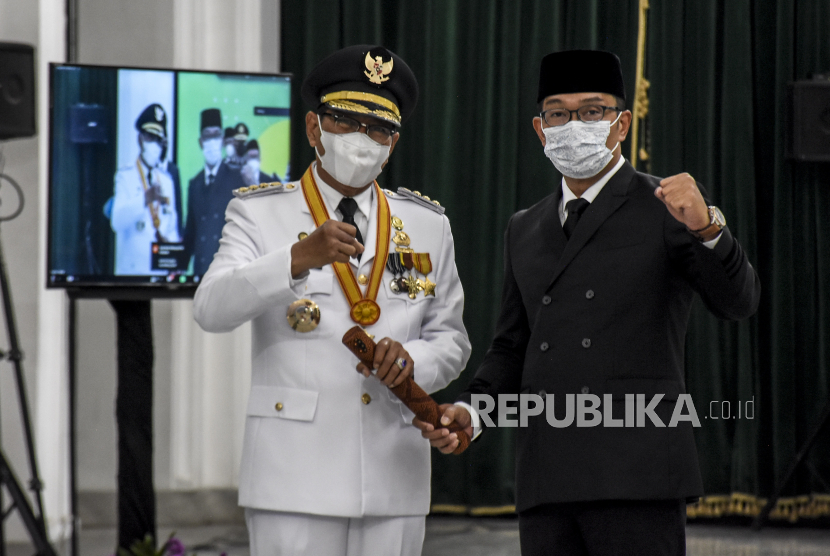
[(143, 163)]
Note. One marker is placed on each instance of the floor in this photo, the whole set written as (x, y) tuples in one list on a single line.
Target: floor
[(462, 536)]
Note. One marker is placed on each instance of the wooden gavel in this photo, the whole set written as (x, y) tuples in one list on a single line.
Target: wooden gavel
[(412, 395)]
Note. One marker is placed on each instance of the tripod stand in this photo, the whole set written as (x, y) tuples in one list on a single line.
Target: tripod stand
[(34, 522)]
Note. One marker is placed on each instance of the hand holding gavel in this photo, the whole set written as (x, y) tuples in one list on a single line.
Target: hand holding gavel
[(412, 395)]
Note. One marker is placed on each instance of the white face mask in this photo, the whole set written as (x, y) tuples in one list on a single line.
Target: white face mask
[(353, 159), (212, 149), (150, 153), (252, 167), (577, 149)]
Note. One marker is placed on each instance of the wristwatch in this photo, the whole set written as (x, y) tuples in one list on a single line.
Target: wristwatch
[(717, 222)]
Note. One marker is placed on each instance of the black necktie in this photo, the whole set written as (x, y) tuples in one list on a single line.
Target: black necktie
[(575, 209), (210, 178), (348, 208)]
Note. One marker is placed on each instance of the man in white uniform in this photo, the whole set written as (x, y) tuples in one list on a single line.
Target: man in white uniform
[(145, 207), (331, 464)]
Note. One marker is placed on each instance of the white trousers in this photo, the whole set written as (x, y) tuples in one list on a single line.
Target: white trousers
[(290, 534)]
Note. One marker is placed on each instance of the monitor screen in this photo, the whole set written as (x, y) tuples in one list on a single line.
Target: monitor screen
[(143, 163)]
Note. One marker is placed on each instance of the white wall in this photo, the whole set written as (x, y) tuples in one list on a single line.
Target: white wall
[(199, 379)]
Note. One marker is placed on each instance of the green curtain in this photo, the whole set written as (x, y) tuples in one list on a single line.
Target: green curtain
[(718, 72)]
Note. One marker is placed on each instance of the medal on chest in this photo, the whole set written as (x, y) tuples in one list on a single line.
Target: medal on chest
[(403, 260), (364, 309)]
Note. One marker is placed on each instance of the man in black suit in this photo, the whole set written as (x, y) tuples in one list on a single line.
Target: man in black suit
[(208, 195), (599, 280)]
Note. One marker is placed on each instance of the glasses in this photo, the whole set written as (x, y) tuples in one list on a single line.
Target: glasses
[(590, 113), (344, 124)]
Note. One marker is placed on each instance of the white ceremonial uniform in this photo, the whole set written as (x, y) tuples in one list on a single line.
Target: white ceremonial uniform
[(338, 444), (132, 220)]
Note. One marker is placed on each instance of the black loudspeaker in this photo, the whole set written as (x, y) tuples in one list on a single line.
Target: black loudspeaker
[(17, 90), (809, 121)]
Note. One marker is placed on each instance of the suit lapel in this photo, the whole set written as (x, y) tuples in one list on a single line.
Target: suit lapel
[(551, 227), (611, 198)]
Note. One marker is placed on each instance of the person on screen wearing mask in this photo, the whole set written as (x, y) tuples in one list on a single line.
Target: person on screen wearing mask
[(599, 279), (145, 207), (208, 194), (235, 140), (251, 173), (229, 145), (331, 464)]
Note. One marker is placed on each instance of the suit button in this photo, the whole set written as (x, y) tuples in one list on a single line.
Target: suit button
[(362, 280), (589, 294), (366, 398), (278, 407), (546, 300), (586, 342), (544, 346), (586, 390)]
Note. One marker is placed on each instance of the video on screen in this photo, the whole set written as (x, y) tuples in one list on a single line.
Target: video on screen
[(143, 165)]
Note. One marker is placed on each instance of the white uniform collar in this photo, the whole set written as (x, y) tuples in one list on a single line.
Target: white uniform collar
[(209, 172), (332, 197)]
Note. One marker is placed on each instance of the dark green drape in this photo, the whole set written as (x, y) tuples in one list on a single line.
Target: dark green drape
[(718, 72)]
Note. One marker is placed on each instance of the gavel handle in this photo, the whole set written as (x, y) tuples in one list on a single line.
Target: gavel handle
[(413, 396)]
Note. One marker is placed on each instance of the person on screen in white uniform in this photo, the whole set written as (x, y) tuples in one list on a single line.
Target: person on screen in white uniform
[(145, 209)]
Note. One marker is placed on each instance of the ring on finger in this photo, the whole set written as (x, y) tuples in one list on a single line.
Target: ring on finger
[(401, 363)]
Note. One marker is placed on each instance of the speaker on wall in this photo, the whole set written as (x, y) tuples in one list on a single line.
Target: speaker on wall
[(808, 128), (17, 90)]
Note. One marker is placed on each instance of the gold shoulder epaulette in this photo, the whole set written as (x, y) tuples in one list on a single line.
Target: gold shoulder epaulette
[(264, 189), (417, 197)]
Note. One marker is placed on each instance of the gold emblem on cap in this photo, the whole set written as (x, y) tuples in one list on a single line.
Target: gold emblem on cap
[(377, 69), (159, 114), (303, 315), (397, 223)]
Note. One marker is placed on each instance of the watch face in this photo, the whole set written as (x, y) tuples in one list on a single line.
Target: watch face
[(717, 216)]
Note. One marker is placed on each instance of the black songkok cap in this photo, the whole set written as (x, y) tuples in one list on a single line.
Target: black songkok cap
[(153, 120), (229, 133), (363, 79), (580, 71), (212, 117), (252, 145)]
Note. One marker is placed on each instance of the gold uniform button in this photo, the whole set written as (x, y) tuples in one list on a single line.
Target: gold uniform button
[(302, 235), (366, 398), (278, 407), (362, 280)]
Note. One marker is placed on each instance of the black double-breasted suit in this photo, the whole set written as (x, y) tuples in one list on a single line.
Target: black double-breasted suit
[(605, 312), (206, 206)]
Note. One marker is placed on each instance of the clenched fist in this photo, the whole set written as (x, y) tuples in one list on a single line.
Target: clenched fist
[(333, 241), (682, 197)]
